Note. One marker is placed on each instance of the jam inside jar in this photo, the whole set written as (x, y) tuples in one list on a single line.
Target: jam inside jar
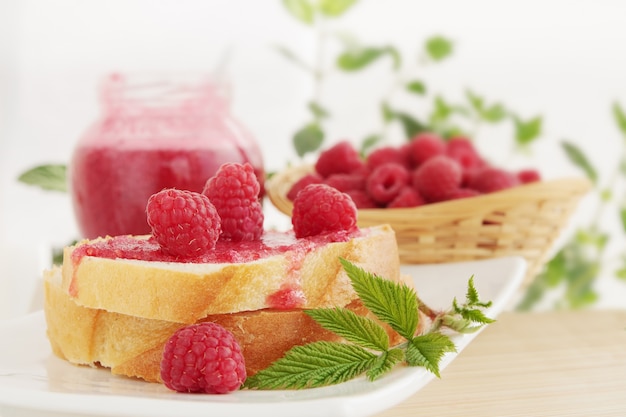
[(153, 133)]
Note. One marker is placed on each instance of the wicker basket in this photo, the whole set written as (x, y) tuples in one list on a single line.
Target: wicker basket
[(523, 221)]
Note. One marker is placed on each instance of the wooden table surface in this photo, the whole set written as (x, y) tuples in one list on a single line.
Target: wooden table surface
[(533, 364)]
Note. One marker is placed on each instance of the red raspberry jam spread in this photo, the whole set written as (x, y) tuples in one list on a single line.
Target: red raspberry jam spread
[(290, 295)]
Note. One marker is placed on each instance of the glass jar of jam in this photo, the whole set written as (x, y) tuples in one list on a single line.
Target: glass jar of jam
[(153, 133)]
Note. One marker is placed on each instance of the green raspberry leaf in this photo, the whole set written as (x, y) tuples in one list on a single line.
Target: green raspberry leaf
[(52, 177), (427, 350), (527, 131), (335, 8), (308, 139), (301, 10), (385, 363), (318, 111), (438, 48), (578, 158), (393, 303), (352, 327), (472, 298), (416, 87), (314, 365), (620, 118)]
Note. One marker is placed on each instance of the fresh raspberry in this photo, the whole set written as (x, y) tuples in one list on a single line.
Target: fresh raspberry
[(463, 151), (322, 209), (490, 179), (463, 193), (386, 181), (184, 223), (436, 178), (340, 158), (310, 178), (387, 154), (362, 200), (526, 176), (346, 182), (203, 357), (234, 191), (408, 197), (424, 146)]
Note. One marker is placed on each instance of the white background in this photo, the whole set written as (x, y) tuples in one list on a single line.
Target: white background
[(564, 60)]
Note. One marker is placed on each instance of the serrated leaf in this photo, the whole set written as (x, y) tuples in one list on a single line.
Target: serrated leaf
[(620, 118), (427, 350), (578, 158), (335, 8), (471, 296), (526, 131), (301, 10), (393, 303), (352, 327), (475, 316), (384, 363), (314, 365), (52, 177), (438, 48), (461, 325), (416, 87), (308, 139), (318, 111)]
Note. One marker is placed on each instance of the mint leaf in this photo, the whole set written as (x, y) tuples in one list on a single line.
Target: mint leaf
[(393, 303), (385, 363), (308, 139), (578, 158), (427, 350), (300, 9), (352, 327), (335, 8), (51, 177), (314, 365), (438, 48)]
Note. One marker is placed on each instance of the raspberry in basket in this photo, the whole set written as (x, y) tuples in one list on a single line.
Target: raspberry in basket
[(386, 181), (490, 179), (424, 146), (437, 178), (319, 208), (203, 357), (340, 158)]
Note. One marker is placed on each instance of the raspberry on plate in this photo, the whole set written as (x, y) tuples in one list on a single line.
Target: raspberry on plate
[(203, 357), (340, 158), (234, 191), (319, 208), (386, 181), (184, 223), (437, 178)]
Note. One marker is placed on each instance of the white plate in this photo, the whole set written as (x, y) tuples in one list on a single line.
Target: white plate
[(33, 382)]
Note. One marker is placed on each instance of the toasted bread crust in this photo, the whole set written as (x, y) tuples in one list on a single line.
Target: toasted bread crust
[(156, 291), (133, 346)]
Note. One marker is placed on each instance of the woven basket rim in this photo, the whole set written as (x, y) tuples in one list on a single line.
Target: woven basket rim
[(280, 183)]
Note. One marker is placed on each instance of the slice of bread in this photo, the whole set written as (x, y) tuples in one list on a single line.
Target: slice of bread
[(132, 346), (187, 292)]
